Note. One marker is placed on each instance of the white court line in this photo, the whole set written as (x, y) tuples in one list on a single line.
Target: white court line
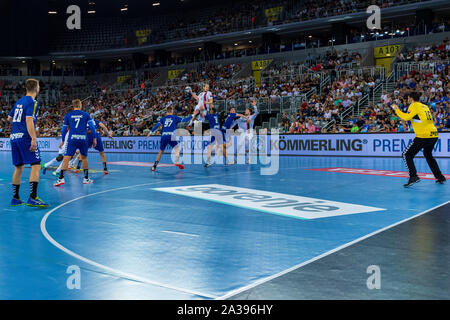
[(101, 266), (181, 233), (264, 280)]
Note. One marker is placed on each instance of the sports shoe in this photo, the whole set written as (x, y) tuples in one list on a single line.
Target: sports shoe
[(411, 181), (43, 168), (77, 170), (16, 202), (59, 182), (105, 171), (153, 169), (441, 180), (207, 164), (37, 203), (87, 181), (180, 166)]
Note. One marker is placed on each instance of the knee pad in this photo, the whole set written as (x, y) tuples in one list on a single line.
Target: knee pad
[(59, 158)]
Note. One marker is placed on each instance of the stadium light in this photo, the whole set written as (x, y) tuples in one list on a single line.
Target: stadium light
[(91, 11), (52, 12), (123, 9), (156, 4)]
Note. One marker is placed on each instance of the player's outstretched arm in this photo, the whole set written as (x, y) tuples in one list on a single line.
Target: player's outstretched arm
[(404, 116), (255, 110), (193, 94), (155, 127), (105, 130), (187, 118)]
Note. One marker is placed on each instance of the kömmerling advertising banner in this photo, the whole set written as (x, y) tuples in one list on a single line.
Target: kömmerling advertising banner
[(366, 145)]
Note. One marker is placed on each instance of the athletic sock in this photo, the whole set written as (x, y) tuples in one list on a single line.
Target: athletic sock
[(16, 188), (33, 189), (155, 164), (48, 164), (79, 164), (104, 166), (61, 174), (86, 173)]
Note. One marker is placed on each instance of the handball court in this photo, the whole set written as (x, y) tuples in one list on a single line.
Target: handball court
[(135, 236)]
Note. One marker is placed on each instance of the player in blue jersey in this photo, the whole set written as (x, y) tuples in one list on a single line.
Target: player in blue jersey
[(217, 135), (75, 125), (24, 149), (169, 124), (99, 147), (227, 126)]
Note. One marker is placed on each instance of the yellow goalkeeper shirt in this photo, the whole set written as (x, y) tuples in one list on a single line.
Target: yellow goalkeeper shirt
[(421, 120)]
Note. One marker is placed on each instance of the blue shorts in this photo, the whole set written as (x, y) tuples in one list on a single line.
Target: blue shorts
[(167, 140), (99, 147), (74, 144), (21, 154)]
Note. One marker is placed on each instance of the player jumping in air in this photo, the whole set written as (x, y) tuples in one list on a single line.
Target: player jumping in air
[(204, 102), (426, 137), (245, 124), (169, 124), (75, 125), (99, 147), (24, 149)]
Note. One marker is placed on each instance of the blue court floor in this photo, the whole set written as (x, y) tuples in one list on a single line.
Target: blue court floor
[(132, 241)]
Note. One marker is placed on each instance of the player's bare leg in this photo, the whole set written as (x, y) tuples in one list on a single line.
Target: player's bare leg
[(80, 161), (17, 175), (158, 157), (177, 157), (105, 168), (208, 160), (85, 161), (64, 167)]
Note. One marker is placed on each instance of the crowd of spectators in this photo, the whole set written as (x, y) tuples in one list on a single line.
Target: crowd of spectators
[(206, 72), (337, 97), (133, 111), (434, 86)]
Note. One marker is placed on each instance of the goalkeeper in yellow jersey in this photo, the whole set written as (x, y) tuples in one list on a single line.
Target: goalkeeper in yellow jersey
[(426, 137)]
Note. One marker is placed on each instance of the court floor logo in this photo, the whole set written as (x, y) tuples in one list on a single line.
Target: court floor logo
[(270, 202)]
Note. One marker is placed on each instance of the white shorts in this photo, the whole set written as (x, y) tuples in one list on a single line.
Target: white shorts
[(205, 111)]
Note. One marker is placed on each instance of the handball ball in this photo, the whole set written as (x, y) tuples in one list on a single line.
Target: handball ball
[(187, 89)]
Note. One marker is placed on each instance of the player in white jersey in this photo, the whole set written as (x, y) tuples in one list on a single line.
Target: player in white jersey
[(246, 124), (204, 101), (61, 152)]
